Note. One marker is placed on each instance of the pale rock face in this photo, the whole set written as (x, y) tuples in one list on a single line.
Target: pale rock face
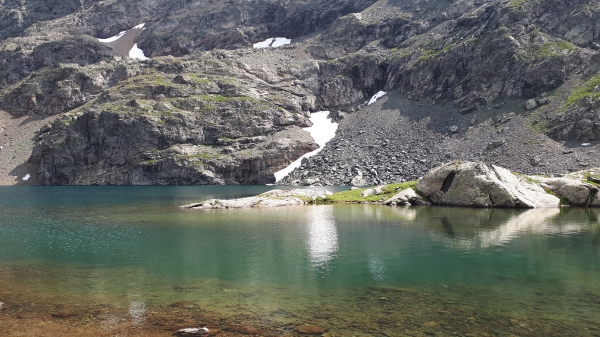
[(405, 197), (273, 198), (477, 184), (578, 193)]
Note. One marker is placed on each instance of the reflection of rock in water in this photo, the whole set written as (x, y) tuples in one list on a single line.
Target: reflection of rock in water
[(322, 235), (448, 229), (463, 235)]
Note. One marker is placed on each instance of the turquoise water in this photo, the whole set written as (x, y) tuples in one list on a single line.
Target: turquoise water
[(371, 270)]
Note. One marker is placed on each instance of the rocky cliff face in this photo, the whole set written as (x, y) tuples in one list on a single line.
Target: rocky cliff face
[(508, 82)]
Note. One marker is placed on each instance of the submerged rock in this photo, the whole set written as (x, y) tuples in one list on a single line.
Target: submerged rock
[(310, 329), (477, 184), (192, 332)]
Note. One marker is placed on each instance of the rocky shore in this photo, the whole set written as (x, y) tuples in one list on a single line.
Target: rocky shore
[(465, 184)]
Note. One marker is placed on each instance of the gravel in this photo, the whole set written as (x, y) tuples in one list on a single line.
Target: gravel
[(396, 139)]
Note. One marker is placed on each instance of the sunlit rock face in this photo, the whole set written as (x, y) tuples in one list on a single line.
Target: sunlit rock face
[(481, 185)]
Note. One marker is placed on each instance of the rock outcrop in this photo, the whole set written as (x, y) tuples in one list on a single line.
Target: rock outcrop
[(179, 123), (475, 184), (575, 192), (273, 198)]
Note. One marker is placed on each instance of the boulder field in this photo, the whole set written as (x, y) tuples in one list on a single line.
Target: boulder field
[(465, 184)]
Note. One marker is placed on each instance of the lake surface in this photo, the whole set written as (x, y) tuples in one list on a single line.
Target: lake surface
[(109, 261)]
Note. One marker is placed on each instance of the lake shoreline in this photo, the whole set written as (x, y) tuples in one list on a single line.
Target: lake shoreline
[(462, 184)]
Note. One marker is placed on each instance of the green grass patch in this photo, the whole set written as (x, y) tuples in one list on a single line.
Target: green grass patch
[(563, 201), (516, 3), (584, 90), (354, 196)]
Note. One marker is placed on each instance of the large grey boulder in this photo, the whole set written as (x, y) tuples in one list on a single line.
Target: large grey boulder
[(477, 184), (576, 192)]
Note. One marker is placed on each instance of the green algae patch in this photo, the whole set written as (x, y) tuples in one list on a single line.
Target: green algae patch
[(354, 196)]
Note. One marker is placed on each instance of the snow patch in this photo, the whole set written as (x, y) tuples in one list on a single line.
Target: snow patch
[(113, 38), (118, 36), (322, 131), (376, 97), (272, 42), (137, 53), (26, 177)]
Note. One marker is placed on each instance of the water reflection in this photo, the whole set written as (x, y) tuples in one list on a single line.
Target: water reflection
[(481, 229), (376, 268), (322, 236)]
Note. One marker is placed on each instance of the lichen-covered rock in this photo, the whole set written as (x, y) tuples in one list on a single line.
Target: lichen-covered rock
[(477, 184), (181, 127)]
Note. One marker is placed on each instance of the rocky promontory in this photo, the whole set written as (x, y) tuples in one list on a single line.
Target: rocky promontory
[(465, 184)]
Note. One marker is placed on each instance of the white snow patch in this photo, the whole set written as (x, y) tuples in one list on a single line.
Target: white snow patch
[(137, 53), (140, 26), (26, 177), (272, 42), (322, 131), (113, 38), (376, 96), (585, 144)]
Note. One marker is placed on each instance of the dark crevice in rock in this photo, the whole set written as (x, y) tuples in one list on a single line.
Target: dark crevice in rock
[(448, 182)]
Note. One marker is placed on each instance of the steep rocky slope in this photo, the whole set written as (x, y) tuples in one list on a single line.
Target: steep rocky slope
[(513, 82)]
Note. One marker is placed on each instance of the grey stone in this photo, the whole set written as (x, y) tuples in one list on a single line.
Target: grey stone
[(477, 184), (576, 192), (273, 198), (531, 104)]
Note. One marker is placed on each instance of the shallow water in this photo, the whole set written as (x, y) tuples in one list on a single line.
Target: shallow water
[(127, 261)]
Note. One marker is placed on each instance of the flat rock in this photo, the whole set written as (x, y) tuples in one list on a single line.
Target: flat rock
[(273, 198)]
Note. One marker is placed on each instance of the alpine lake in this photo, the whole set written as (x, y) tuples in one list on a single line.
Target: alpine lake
[(127, 261)]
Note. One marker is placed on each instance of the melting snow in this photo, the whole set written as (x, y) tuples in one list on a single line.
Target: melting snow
[(26, 177), (272, 42), (137, 53), (376, 96), (322, 131), (113, 38)]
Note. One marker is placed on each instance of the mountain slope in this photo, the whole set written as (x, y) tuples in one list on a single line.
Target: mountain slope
[(510, 82)]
